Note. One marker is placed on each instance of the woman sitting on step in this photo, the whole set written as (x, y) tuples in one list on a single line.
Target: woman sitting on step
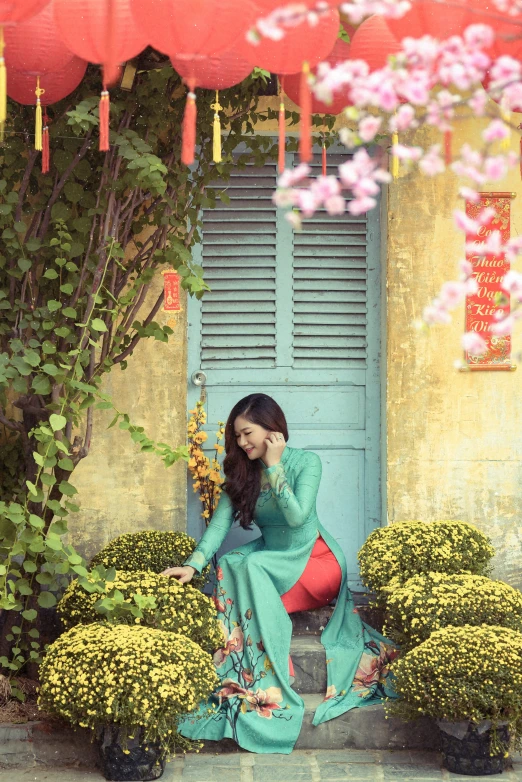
[(295, 565)]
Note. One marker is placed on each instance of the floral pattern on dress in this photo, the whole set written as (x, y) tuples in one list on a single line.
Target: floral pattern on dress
[(242, 663), (374, 669)]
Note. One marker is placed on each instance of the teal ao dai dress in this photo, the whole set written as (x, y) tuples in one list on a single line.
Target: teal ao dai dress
[(255, 704)]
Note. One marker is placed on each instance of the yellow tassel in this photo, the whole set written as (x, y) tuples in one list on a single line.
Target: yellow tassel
[(3, 86), (395, 159), (38, 118), (216, 146), (505, 144)]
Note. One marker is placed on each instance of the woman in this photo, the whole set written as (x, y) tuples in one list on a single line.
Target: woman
[(295, 565)]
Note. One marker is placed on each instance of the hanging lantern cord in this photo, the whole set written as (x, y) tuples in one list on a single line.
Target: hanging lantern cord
[(216, 148), (282, 132), (45, 144), (38, 117)]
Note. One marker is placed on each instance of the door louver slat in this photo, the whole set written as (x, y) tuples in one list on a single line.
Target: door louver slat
[(239, 256)]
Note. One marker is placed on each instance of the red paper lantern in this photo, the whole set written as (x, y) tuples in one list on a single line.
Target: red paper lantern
[(15, 11), (291, 83), (300, 44), (187, 30), (33, 47), (102, 32), (56, 86), (430, 18), (217, 72), (373, 42)]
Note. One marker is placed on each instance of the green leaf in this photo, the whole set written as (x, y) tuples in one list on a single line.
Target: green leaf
[(51, 369), (38, 458), (51, 274), (67, 488), (73, 192), (62, 331), (57, 422), (53, 305), (69, 312), (30, 614), (32, 488), (67, 288), (24, 264), (36, 521), (46, 600), (98, 324), (66, 464), (54, 543), (41, 385)]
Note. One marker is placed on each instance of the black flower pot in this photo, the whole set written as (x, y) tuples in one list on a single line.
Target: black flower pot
[(142, 762), (466, 749)]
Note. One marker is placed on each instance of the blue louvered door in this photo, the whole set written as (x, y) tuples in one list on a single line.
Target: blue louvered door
[(296, 316)]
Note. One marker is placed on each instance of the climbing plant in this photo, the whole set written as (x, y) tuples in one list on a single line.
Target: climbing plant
[(80, 248)]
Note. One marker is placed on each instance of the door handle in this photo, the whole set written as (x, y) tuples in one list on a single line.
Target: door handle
[(199, 378)]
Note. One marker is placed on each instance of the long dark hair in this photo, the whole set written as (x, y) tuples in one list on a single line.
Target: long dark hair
[(243, 476)]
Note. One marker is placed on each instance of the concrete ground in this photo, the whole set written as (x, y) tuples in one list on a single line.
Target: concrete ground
[(300, 766)]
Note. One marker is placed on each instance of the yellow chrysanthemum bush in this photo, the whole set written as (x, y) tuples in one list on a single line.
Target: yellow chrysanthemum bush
[(463, 673), (407, 548), (140, 678), (153, 550), (431, 601), (174, 607)]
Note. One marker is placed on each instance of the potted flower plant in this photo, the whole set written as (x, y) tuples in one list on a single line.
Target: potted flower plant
[(152, 550), (469, 679), (145, 598), (130, 685), (406, 548), (431, 601)]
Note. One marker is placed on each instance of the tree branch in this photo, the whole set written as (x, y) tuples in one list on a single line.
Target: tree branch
[(136, 338)]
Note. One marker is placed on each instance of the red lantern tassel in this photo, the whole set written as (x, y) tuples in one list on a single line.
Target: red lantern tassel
[(188, 140), (105, 109), (282, 132), (447, 147), (324, 158), (45, 146), (305, 101)]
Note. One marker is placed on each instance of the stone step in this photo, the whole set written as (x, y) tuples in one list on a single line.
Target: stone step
[(364, 728), (314, 622), (309, 659)]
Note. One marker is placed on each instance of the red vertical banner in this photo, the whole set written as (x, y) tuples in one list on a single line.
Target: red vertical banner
[(171, 291), (488, 270)]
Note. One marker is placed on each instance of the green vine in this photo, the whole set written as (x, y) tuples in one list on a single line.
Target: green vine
[(80, 250)]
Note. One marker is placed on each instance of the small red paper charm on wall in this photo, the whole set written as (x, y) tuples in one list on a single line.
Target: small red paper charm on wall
[(171, 291), (488, 271)]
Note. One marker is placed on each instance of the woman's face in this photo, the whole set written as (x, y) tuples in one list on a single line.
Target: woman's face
[(250, 437)]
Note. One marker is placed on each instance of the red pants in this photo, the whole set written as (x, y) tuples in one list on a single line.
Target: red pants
[(319, 584), (317, 587)]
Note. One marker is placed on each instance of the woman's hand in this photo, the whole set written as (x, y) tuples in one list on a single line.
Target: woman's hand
[(183, 574), (275, 445)]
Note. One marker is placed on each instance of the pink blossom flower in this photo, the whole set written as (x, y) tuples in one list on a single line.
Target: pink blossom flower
[(295, 220), (504, 327), (512, 283), (452, 293), (325, 186), (472, 286), (495, 131), (435, 313), (335, 205), (466, 267), (432, 163), (474, 343), (465, 223), (290, 177), (469, 194), (369, 127)]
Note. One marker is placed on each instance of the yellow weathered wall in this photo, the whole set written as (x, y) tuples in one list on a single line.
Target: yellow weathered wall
[(120, 488), (454, 439)]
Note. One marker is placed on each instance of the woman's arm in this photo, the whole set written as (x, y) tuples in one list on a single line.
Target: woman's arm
[(297, 503), (214, 534)]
